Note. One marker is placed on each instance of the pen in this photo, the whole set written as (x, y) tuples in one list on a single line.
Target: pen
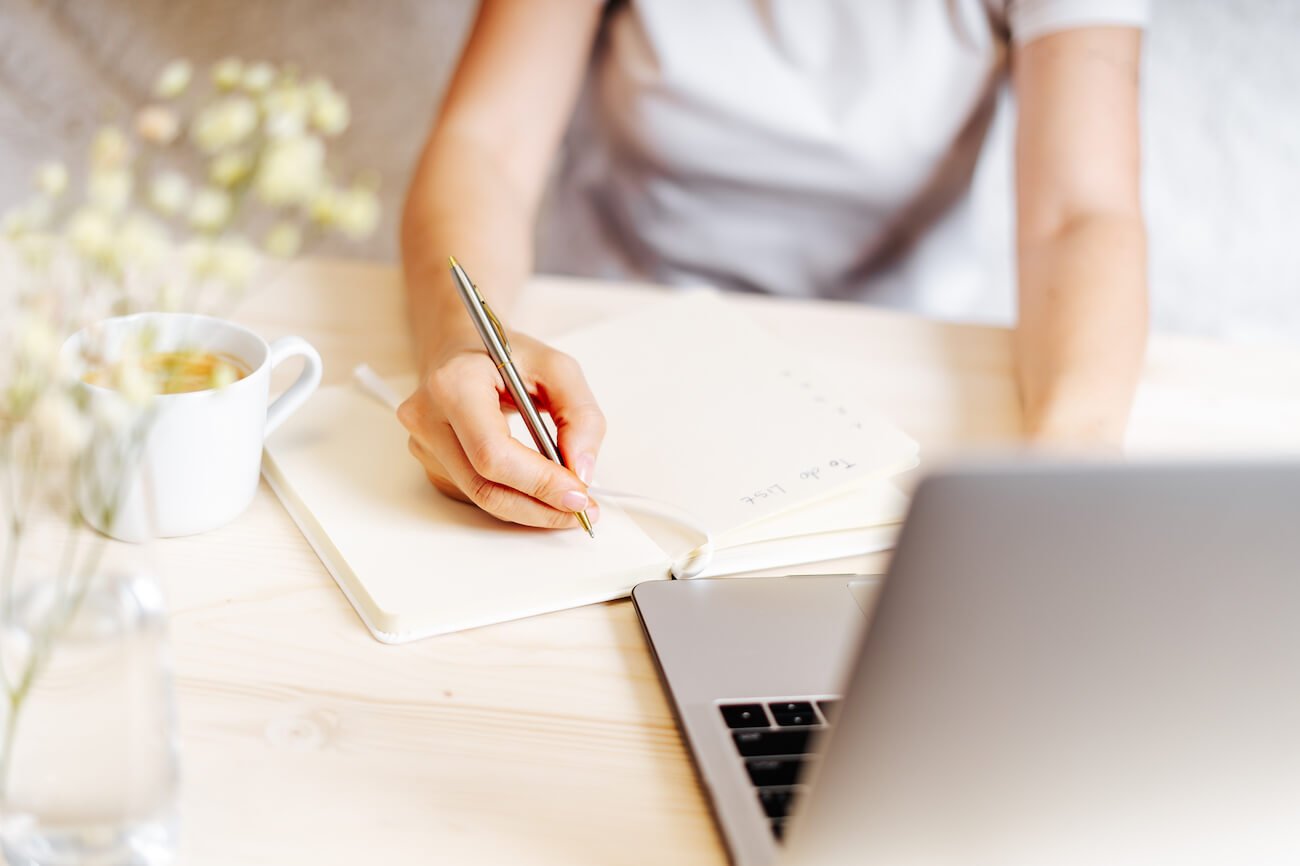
[(498, 348)]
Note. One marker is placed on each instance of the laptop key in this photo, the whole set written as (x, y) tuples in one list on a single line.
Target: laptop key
[(792, 707), (774, 772), (794, 713), (760, 743), (776, 801), (796, 719), (744, 715)]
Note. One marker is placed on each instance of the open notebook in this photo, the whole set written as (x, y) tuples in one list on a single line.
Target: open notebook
[(704, 412)]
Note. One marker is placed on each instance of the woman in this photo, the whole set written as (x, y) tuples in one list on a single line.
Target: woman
[(792, 146)]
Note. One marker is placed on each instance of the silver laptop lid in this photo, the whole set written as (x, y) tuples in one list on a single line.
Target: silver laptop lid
[(1076, 665)]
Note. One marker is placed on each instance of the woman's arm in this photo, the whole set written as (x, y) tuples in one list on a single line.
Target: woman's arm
[(475, 195), (1081, 239)]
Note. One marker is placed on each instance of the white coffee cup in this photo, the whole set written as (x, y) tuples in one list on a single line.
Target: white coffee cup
[(202, 450)]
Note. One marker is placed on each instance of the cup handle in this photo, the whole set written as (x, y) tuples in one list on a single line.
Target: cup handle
[(282, 407)]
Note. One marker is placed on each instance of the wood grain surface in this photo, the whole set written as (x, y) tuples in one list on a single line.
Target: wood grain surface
[(544, 741)]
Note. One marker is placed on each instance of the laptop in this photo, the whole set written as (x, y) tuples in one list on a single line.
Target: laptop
[(1066, 664)]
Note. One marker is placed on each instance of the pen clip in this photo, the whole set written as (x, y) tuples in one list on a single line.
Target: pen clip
[(496, 323)]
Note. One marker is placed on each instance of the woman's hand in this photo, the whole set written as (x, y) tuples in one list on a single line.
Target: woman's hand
[(460, 435), (475, 195)]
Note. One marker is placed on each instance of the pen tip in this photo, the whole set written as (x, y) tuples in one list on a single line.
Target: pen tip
[(452, 260)]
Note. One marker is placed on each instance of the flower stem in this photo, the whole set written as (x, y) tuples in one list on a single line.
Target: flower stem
[(7, 745), (13, 527)]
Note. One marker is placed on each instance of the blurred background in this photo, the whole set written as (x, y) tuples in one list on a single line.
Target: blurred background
[(1221, 130)]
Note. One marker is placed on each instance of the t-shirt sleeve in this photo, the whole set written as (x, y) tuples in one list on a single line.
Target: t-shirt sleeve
[(1029, 19)]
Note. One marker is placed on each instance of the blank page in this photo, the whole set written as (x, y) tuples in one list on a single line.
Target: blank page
[(416, 563)]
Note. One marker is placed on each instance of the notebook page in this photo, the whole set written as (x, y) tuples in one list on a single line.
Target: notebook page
[(421, 562), (877, 503), (706, 411)]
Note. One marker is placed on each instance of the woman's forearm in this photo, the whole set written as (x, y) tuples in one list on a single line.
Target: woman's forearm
[(460, 204), (479, 182), (1081, 240), (1081, 336)]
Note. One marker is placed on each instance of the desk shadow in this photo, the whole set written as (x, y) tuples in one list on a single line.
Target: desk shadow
[(977, 383)]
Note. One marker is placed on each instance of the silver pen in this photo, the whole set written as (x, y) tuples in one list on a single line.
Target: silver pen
[(498, 348)]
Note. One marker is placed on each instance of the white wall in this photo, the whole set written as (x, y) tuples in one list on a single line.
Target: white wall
[(1222, 128)]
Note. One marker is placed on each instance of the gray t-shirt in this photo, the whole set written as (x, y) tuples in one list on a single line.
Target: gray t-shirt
[(794, 147)]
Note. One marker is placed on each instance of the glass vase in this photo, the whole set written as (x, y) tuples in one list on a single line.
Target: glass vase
[(88, 765)]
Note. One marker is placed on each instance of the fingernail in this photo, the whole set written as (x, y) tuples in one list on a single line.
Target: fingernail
[(583, 467), (574, 500)]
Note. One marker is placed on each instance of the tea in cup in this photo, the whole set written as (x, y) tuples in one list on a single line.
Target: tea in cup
[(201, 455), (178, 371)]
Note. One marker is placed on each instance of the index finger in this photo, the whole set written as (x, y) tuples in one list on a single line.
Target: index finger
[(484, 434), (579, 423)]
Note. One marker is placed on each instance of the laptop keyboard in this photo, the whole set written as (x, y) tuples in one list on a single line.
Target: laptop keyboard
[(774, 739)]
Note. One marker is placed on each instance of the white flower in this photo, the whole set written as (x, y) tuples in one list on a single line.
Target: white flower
[(323, 209), (173, 80), (63, 429), (285, 108), (112, 415), (133, 381), (110, 190), (224, 374), (14, 224), (38, 343), (258, 77), (210, 209), (52, 179), (290, 170), (230, 168), (169, 192), (358, 213), (91, 234), (329, 109), (27, 217), (109, 150), (36, 249), (170, 295), (226, 73), (283, 240), (40, 211), (21, 390), (142, 242), (199, 259), (157, 125), (224, 123), (235, 261)]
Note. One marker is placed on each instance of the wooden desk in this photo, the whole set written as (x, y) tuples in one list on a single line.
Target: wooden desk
[(546, 740)]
